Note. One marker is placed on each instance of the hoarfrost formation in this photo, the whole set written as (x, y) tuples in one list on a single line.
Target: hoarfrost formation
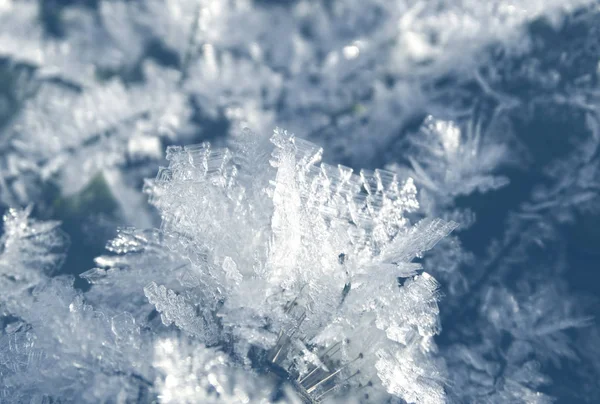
[(462, 270)]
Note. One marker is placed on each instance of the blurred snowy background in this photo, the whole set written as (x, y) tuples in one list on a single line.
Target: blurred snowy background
[(491, 107)]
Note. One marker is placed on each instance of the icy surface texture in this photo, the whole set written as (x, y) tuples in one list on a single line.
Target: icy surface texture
[(519, 283), (271, 269), (449, 161), (196, 374), (292, 264), (31, 251), (68, 136), (53, 343), (354, 68)]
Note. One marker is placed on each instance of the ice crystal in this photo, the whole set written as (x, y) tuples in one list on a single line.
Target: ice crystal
[(71, 124), (523, 335), (455, 162), (54, 344), (296, 264), (192, 374), (274, 277), (30, 251), (320, 69)]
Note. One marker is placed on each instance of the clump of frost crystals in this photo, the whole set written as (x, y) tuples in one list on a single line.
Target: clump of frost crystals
[(450, 161), (196, 374), (290, 266)]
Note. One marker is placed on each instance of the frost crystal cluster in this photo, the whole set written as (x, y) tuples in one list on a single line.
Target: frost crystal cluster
[(301, 267), (263, 261), (462, 270)]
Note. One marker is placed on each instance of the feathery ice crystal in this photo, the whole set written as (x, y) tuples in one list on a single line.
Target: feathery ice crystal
[(286, 264)]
